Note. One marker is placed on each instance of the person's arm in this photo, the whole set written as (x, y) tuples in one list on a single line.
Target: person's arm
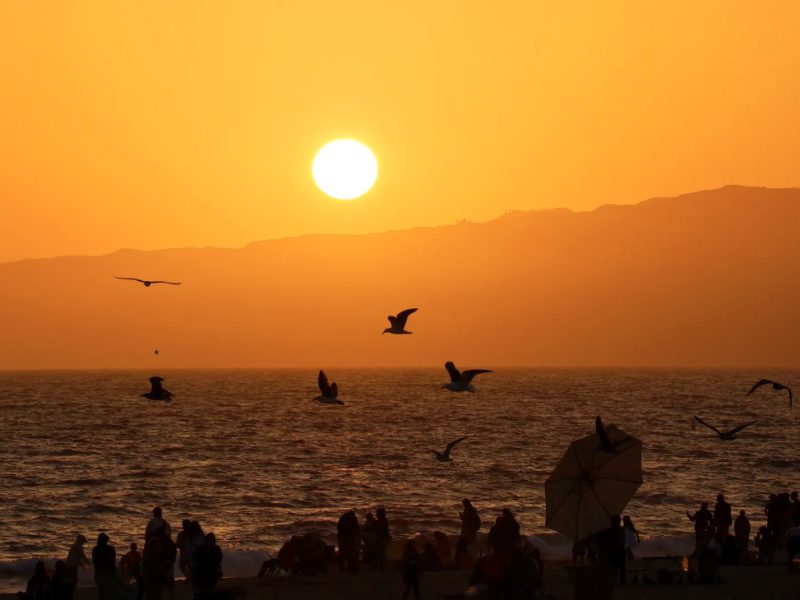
[(691, 517)]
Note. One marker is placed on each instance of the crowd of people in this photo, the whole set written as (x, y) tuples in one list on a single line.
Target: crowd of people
[(153, 570), (513, 568)]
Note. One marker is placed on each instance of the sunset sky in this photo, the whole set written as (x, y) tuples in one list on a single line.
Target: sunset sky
[(153, 124)]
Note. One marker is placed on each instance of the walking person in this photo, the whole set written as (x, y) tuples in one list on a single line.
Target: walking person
[(412, 572), (76, 559)]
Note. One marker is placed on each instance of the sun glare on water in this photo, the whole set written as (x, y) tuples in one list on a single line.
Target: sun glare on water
[(345, 169)]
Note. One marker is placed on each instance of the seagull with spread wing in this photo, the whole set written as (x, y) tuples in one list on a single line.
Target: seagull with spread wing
[(446, 456), (146, 283), (399, 323), (157, 392), (330, 392), (775, 386), (725, 436), (461, 382)]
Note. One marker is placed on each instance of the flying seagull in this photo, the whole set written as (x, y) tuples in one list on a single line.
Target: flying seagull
[(146, 283), (606, 445), (725, 436), (446, 456), (157, 392), (156, 351), (461, 382), (329, 392), (775, 386), (399, 322)]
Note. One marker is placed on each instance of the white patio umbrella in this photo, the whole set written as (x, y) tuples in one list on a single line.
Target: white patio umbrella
[(593, 483)]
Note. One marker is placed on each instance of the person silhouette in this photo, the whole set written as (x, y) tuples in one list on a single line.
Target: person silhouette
[(412, 571), (470, 521), (741, 529), (703, 520), (722, 515)]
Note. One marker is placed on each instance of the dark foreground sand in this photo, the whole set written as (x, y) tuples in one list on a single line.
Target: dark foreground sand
[(737, 583)]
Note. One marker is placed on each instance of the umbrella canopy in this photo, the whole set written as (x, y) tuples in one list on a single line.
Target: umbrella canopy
[(593, 483)]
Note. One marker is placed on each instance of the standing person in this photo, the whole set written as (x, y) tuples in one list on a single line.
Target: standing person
[(180, 542), (128, 563), (153, 569), (618, 554), (470, 521), (792, 544), (795, 509), (349, 538), (109, 585), (741, 529), (412, 571), (512, 526), (384, 537), (208, 564), (61, 586), (157, 522), (784, 516), (703, 520), (369, 533), (194, 540), (766, 546), (722, 515), (169, 553), (771, 510), (76, 559), (37, 585), (632, 538), (499, 539)]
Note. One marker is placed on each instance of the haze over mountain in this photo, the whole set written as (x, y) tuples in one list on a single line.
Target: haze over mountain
[(704, 279)]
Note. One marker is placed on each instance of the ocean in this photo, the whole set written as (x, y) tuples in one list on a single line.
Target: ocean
[(250, 455)]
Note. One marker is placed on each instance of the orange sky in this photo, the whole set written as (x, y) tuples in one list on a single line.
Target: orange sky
[(152, 124)]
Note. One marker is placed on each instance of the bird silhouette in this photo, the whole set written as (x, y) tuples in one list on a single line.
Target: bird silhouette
[(606, 445), (461, 382), (399, 323), (156, 351), (775, 386), (329, 392), (445, 457), (157, 392), (145, 282), (725, 436)]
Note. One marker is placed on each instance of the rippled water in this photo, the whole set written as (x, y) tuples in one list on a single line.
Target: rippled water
[(251, 456)]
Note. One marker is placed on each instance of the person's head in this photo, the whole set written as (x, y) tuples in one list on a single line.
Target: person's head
[(133, 547), (197, 529), (720, 498), (369, 517), (704, 506), (627, 521), (466, 503), (186, 525), (80, 540), (102, 539), (157, 512), (763, 530), (61, 568), (40, 571), (211, 540), (381, 512), (615, 521), (742, 513)]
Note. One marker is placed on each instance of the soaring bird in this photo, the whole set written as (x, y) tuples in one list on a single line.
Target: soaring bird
[(157, 392), (725, 436), (775, 386), (329, 392), (156, 351), (461, 382), (146, 283), (399, 322), (606, 445), (446, 456)]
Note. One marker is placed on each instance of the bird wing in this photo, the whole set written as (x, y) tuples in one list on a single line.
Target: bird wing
[(601, 431), (759, 384), (155, 382), (455, 374), (403, 317), (130, 279), (699, 420), (335, 390), (167, 282), (453, 443), (739, 428), (324, 387), (467, 376), (393, 321)]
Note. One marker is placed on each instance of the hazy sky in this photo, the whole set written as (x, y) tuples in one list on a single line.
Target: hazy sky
[(152, 124)]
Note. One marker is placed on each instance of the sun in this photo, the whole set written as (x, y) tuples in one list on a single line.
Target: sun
[(345, 169)]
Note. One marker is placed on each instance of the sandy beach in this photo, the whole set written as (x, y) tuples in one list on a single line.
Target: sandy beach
[(752, 583)]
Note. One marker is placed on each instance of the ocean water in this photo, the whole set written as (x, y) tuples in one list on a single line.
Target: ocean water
[(255, 460)]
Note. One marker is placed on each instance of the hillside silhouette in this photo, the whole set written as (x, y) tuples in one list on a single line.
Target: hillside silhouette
[(704, 279)]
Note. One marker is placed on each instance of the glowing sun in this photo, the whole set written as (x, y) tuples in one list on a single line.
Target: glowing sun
[(345, 169)]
